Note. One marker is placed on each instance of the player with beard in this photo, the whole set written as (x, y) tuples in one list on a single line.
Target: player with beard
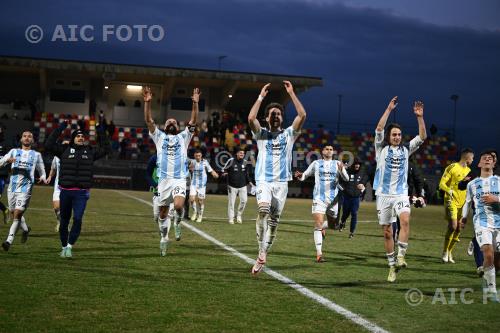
[(273, 169), (24, 161), (172, 161)]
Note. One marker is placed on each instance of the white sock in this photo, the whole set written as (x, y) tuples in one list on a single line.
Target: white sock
[(165, 228), (12, 231), (178, 216), (270, 235), (390, 259), (325, 225), (202, 208), (156, 219), (261, 226), (402, 247), (194, 207), (489, 276), (70, 246), (23, 224), (318, 241)]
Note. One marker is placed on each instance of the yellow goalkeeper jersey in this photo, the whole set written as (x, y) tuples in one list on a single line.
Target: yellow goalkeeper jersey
[(452, 175)]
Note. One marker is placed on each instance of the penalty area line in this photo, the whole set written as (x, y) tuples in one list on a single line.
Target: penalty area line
[(371, 327)]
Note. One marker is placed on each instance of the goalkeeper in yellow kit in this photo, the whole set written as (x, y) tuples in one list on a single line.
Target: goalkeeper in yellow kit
[(454, 199)]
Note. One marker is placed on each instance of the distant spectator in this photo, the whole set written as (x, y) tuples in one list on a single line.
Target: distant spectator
[(111, 129), (121, 102), (123, 148), (81, 124), (433, 129), (102, 118)]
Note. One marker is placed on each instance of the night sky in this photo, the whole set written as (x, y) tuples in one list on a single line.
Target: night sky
[(368, 51)]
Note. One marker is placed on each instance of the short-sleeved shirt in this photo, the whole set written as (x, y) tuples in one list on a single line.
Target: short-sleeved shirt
[(326, 179), (200, 170), (171, 153), (274, 160), (485, 215), (23, 169)]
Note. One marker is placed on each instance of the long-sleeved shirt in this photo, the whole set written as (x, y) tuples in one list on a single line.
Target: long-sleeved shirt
[(415, 181), (391, 176), (452, 175), (350, 186), (238, 172), (76, 165)]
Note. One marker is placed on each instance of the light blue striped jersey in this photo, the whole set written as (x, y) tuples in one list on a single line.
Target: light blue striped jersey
[(171, 151), (22, 177), (485, 215), (200, 169), (391, 175), (56, 165), (326, 179), (274, 159)]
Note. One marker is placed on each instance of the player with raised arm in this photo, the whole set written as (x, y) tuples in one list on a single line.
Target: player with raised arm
[(273, 169), (164, 226), (23, 162), (198, 188), (172, 160), (454, 199), (484, 191), (390, 183), (327, 172)]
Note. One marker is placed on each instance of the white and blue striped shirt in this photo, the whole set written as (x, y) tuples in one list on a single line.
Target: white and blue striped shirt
[(274, 160), (171, 150), (23, 169), (391, 176), (56, 165), (326, 179), (485, 215), (200, 170)]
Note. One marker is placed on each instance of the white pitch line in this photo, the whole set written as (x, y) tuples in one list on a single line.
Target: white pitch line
[(205, 217), (371, 327)]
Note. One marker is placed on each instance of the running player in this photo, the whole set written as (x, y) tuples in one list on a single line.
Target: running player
[(454, 199), (273, 169), (198, 187), (485, 193), (172, 160), (163, 227), (24, 161), (390, 183), (327, 172)]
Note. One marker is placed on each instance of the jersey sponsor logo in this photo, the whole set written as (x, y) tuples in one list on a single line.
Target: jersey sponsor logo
[(275, 146), (171, 146), (395, 162)]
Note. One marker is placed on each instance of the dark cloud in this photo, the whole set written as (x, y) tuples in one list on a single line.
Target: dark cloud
[(367, 55)]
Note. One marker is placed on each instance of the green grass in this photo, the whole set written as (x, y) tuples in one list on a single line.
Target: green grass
[(118, 282)]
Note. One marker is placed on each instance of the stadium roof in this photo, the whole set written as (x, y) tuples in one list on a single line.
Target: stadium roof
[(154, 74)]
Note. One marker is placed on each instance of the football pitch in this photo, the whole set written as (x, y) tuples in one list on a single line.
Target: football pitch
[(117, 280)]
